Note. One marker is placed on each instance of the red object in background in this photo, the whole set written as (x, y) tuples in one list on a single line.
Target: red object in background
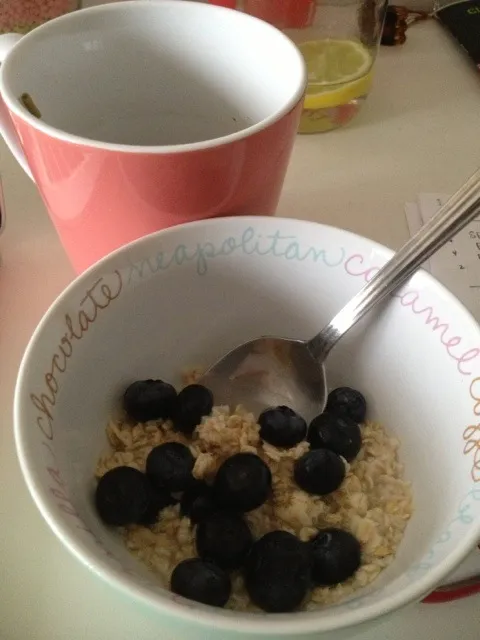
[(285, 14), (456, 591), (230, 4)]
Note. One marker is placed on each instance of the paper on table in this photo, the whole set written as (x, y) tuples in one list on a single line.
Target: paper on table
[(457, 266)]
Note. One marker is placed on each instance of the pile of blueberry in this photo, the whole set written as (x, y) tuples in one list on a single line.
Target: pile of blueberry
[(278, 569)]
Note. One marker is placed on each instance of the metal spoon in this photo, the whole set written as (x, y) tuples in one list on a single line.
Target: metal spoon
[(270, 371)]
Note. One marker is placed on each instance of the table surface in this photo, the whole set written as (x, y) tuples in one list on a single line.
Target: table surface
[(419, 131)]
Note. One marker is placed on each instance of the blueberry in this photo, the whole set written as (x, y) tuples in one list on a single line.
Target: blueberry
[(197, 502), (282, 427), (170, 466), (201, 581), (149, 400), (347, 402), (122, 496), (339, 433), (192, 403), (278, 572), (242, 483), (224, 538), (319, 472), (159, 500), (336, 556)]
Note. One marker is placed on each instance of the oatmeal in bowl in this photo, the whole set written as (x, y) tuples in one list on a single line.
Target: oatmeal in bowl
[(253, 513)]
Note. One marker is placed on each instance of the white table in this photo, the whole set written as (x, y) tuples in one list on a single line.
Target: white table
[(419, 131)]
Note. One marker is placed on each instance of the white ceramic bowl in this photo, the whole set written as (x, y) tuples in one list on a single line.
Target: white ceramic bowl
[(189, 294)]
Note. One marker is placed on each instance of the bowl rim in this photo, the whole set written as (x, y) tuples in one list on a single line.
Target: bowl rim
[(280, 625)]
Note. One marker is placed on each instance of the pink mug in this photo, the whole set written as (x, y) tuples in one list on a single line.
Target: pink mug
[(150, 113)]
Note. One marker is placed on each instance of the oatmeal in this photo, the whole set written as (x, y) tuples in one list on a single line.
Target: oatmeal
[(373, 502)]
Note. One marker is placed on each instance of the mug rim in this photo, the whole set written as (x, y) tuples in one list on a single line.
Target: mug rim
[(29, 40), (228, 621)]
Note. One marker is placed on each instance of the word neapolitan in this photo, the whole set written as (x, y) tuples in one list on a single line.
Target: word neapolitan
[(249, 243), (97, 298), (355, 266)]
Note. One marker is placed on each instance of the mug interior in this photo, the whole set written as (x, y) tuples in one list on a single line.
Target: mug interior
[(155, 73), (185, 297)]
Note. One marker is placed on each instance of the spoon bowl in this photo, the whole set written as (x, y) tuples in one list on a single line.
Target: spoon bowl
[(269, 372)]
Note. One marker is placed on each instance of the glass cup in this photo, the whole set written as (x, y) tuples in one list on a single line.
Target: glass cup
[(21, 16), (339, 40)]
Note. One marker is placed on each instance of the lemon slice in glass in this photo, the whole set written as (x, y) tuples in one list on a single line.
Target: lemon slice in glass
[(338, 71)]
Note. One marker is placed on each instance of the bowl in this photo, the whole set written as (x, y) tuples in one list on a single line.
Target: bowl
[(187, 295)]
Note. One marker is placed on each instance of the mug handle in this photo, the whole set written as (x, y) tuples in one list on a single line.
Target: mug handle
[(7, 130)]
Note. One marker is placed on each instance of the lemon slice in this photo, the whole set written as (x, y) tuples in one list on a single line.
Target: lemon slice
[(338, 71)]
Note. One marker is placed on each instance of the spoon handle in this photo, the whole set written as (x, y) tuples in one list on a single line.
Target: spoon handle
[(460, 209)]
